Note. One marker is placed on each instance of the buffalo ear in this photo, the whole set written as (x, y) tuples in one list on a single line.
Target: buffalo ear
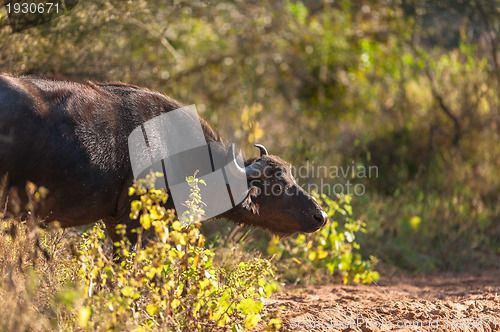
[(249, 202)]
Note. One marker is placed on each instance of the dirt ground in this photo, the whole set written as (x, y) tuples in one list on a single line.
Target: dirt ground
[(439, 302)]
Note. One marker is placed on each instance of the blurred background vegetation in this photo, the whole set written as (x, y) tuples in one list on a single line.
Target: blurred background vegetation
[(408, 86)]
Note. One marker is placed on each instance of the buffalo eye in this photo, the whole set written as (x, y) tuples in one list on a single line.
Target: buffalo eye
[(277, 189)]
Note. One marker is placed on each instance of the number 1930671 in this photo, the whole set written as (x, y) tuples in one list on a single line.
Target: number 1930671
[(32, 8)]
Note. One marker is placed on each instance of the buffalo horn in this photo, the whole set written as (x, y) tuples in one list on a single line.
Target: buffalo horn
[(262, 149), (252, 171), (235, 169)]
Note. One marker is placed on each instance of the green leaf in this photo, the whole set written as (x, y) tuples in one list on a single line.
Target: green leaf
[(127, 291), (146, 221), (251, 321)]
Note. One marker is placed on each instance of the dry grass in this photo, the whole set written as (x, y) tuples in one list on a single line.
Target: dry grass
[(35, 266)]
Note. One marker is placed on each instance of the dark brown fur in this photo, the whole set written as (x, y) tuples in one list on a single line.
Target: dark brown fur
[(72, 139)]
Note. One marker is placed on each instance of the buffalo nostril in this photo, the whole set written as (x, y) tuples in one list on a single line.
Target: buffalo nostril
[(321, 217)]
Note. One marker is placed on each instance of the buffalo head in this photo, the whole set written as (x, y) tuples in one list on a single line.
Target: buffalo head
[(275, 201)]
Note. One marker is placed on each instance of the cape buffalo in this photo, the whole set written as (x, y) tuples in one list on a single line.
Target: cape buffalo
[(71, 138)]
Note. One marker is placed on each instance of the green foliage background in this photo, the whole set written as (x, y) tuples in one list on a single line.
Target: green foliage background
[(408, 86)]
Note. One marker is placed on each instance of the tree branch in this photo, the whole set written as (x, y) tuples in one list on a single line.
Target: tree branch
[(443, 106), (435, 93), (492, 37)]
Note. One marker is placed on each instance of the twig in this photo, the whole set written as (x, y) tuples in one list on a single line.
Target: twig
[(164, 41)]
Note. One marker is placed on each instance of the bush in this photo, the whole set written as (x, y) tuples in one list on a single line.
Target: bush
[(331, 250), (170, 281)]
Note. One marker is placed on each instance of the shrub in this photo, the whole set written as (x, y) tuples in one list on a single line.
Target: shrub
[(331, 250), (168, 282)]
